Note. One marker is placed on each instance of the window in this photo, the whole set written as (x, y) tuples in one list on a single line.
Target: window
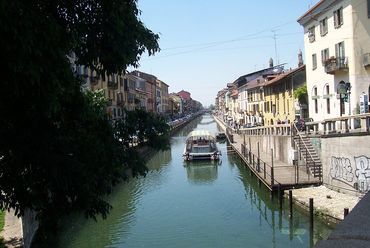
[(368, 8), (315, 100), (338, 17), (324, 55), (340, 54), (314, 61), (324, 26), (327, 95), (311, 34)]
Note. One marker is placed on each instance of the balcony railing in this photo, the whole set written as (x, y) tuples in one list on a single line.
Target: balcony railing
[(333, 65)]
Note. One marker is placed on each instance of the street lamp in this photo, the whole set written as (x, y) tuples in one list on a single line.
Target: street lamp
[(344, 91)]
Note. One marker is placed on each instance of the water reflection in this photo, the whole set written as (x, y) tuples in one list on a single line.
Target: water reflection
[(278, 219), (195, 204), (201, 172)]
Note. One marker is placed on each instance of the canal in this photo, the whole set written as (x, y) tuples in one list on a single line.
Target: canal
[(202, 204)]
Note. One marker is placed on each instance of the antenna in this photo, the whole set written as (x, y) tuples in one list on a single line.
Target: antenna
[(274, 37)]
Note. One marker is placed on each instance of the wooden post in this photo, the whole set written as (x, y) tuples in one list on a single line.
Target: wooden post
[(311, 221), (254, 162), (290, 204), (346, 211), (280, 196), (272, 167), (311, 214), (258, 158), (264, 170), (250, 150), (244, 144)]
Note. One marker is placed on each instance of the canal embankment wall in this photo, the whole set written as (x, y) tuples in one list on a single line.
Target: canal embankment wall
[(345, 158), (346, 162)]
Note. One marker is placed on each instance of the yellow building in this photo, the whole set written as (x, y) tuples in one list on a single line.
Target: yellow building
[(279, 103)]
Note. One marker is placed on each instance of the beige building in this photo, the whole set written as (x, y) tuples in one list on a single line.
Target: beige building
[(162, 97), (337, 51)]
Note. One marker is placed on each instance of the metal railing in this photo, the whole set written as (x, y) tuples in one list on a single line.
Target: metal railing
[(308, 157), (334, 64)]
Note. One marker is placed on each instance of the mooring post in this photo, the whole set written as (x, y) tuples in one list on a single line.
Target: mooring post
[(311, 221), (250, 150), (264, 170), (272, 167), (290, 204), (311, 214), (258, 158), (346, 211), (280, 196), (244, 139)]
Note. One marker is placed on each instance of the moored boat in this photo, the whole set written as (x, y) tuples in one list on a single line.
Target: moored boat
[(201, 144)]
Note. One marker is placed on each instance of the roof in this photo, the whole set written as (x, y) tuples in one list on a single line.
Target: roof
[(253, 75), (258, 82), (234, 93), (200, 134), (317, 9), (285, 75)]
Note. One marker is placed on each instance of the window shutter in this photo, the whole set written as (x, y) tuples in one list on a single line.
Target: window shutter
[(340, 16), (337, 50), (322, 56), (368, 8), (335, 15)]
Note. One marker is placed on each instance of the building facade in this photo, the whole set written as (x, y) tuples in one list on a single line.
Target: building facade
[(337, 50)]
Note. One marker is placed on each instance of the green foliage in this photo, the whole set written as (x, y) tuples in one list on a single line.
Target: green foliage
[(2, 220), (143, 127), (301, 93), (58, 150)]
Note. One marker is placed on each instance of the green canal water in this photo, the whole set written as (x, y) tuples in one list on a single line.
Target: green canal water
[(203, 204)]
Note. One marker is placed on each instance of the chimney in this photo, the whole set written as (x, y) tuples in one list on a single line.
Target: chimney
[(300, 58), (271, 63)]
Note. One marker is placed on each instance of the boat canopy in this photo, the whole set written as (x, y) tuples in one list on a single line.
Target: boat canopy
[(200, 134)]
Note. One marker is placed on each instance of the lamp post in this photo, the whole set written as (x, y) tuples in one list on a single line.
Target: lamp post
[(343, 90)]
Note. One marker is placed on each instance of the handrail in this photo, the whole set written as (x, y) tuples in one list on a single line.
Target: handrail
[(301, 139), (259, 161)]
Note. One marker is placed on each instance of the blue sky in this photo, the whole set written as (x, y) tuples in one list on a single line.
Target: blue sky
[(206, 44)]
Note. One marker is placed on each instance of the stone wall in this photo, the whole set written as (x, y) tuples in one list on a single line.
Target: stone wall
[(346, 163), (280, 144)]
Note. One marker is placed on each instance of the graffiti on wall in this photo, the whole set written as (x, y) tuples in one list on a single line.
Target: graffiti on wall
[(355, 175)]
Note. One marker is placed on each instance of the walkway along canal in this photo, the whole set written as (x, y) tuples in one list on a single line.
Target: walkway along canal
[(193, 204)]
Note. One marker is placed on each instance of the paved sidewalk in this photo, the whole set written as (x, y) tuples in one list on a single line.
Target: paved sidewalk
[(12, 233)]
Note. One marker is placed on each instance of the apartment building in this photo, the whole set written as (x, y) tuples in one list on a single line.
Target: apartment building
[(280, 106), (337, 51)]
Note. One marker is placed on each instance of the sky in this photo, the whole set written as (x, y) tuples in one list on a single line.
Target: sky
[(206, 44)]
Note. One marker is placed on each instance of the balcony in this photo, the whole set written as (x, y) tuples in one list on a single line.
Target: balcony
[(112, 85), (334, 65)]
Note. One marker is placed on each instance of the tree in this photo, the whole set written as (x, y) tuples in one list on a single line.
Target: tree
[(58, 150), (300, 94)]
